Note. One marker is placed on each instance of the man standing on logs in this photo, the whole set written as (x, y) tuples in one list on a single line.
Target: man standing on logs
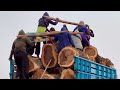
[(86, 31), (42, 27), (19, 50), (64, 39)]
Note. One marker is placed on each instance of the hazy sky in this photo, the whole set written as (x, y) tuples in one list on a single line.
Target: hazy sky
[(106, 27)]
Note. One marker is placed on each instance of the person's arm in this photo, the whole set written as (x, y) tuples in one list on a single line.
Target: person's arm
[(71, 41), (91, 33), (29, 42), (54, 22), (12, 51), (87, 31), (75, 29)]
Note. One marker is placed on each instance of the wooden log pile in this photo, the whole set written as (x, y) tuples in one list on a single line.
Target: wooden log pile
[(53, 65), (94, 56)]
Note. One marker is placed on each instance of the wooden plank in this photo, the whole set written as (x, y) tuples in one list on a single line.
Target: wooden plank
[(63, 21)]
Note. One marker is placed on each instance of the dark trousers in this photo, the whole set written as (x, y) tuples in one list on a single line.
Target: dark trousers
[(37, 51), (22, 63), (85, 41), (30, 50)]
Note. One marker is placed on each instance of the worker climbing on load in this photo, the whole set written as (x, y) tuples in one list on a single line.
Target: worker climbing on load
[(42, 27), (19, 50), (86, 31), (64, 39)]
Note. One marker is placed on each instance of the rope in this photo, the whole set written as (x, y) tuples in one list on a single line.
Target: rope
[(45, 69)]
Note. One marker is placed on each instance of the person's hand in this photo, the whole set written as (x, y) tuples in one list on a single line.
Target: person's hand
[(57, 19), (10, 58)]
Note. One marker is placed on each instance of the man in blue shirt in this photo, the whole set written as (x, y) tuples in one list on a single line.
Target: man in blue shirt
[(64, 39)]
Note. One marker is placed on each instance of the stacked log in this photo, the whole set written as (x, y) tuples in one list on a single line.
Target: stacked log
[(67, 74), (91, 52), (104, 61), (66, 56), (53, 65), (34, 63), (49, 53)]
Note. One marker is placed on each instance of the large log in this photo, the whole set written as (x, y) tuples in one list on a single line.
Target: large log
[(38, 73), (48, 76), (63, 21), (104, 61), (34, 63), (43, 34), (109, 63), (39, 39), (66, 56), (99, 59), (56, 76), (67, 74), (82, 54), (49, 53), (48, 34), (91, 52)]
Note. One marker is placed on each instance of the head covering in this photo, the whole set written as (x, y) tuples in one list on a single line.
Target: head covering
[(21, 32), (45, 14), (52, 29), (81, 23), (64, 28)]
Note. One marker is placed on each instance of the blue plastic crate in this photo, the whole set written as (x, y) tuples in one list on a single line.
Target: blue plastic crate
[(85, 69)]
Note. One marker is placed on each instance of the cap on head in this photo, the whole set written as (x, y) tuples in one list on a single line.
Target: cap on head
[(64, 25), (52, 29), (63, 28), (21, 32), (81, 22), (45, 14)]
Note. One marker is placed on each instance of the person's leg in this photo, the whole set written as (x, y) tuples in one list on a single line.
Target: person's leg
[(25, 66), (85, 42), (18, 63), (37, 51)]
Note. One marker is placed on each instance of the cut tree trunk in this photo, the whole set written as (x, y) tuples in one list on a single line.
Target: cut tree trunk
[(48, 76), (82, 54), (63, 21), (56, 76), (49, 53), (109, 63), (34, 63), (98, 59), (38, 73), (67, 74), (66, 56), (91, 52)]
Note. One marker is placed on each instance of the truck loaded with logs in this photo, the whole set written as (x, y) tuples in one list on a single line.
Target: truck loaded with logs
[(78, 62)]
